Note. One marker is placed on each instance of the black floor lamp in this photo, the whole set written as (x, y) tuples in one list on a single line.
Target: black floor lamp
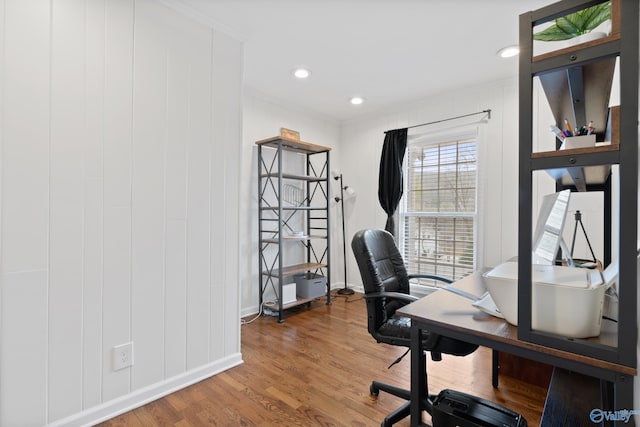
[(345, 290)]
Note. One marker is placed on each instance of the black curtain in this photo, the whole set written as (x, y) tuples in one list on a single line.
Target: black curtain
[(390, 178)]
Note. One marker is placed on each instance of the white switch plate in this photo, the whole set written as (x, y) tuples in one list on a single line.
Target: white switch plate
[(122, 356)]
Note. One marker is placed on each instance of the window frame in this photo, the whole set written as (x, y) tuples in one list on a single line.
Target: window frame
[(435, 139)]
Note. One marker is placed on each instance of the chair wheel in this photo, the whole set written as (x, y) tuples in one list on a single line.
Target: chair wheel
[(385, 423), (373, 391)]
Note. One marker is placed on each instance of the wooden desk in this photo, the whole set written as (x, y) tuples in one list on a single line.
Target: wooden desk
[(450, 315)]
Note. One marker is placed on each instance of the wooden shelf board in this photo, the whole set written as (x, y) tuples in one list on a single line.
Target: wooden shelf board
[(295, 239), (293, 145), (297, 268), (294, 176), (294, 208), (576, 48), (317, 236), (576, 151), (297, 302)]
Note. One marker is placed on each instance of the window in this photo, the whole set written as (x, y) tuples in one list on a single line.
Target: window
[(438, 217)]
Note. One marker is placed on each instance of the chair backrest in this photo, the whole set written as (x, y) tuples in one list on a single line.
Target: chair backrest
[(382, 270)]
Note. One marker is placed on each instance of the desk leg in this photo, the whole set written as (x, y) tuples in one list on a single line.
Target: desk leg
[(418, 376), (624, 397), (495, 362)]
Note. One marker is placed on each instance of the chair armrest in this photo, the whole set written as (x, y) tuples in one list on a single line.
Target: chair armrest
[(393, 295), (445, 287), (430, 276)]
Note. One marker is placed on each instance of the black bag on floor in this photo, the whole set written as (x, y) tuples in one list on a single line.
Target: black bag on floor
[(455, 409)]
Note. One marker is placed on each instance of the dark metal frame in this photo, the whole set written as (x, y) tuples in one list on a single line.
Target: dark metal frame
[(443, 317), (620, 386), (627, 158), (271, 177)]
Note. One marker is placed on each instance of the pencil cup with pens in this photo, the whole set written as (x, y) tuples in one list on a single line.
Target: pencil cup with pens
[(584, 136)]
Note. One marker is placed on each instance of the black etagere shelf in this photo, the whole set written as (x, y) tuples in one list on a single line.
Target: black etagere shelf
[(278, 220), (585, 169)]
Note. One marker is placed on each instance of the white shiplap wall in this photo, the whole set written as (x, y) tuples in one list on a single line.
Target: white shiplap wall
[(120, 141)]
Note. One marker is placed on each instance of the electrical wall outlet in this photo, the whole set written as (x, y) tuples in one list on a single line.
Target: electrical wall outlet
[(122, 356)]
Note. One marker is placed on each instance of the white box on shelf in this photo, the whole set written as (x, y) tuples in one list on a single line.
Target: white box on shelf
[(581, 141), (288, 293)]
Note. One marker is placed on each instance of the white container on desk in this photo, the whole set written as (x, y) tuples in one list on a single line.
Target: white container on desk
[(565, 301)]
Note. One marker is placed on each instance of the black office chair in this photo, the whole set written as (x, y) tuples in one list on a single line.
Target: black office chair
[(386, 286)]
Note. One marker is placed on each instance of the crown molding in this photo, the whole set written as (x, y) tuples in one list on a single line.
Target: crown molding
[(189, 11)]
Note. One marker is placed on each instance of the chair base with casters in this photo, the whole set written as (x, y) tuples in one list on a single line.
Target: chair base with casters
[(386, 285), (399, 413), (404, 410)]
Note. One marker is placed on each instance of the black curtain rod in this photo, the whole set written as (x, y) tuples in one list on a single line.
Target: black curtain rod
[(488, 112)]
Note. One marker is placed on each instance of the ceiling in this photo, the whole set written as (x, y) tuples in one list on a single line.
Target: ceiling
[(390, 52)]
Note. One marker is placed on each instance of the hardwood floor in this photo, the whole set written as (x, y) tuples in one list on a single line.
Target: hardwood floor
[(315, 370)]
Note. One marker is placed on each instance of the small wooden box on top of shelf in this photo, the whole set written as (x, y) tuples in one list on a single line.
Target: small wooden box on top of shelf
[(275, 216)]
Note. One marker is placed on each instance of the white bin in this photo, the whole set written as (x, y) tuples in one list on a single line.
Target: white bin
[(565, 301)]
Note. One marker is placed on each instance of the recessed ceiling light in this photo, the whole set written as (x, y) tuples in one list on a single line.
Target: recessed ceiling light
[(356, 100), (509, 51), (301, 73)]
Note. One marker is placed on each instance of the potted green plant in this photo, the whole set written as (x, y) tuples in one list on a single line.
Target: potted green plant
[(576, 24)]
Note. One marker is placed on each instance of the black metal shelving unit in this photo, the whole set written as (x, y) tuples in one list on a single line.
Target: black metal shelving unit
[(585, 169), (278, 219)]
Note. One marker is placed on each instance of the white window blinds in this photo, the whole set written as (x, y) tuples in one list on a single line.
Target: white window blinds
[(438, 222)]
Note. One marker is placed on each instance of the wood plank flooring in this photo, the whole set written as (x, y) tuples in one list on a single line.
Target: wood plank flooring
[(315, 370)]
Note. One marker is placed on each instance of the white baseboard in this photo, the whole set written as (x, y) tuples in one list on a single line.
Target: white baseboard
[(249, 311), (147, 394)]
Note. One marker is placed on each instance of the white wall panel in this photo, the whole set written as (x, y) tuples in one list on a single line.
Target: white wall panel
[(493, 151), (93, 221), (497, 198), (92, 289), (218, 221), (25, 171), (506, 166), (147, 198), (116, 298), (26, 135), (227, 137), (24, 365), (177, 130), (200, 202), (2, 103), (175, 332), (118, 116), (118, 110), (175, 336), (23, 385), (66, 208)]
